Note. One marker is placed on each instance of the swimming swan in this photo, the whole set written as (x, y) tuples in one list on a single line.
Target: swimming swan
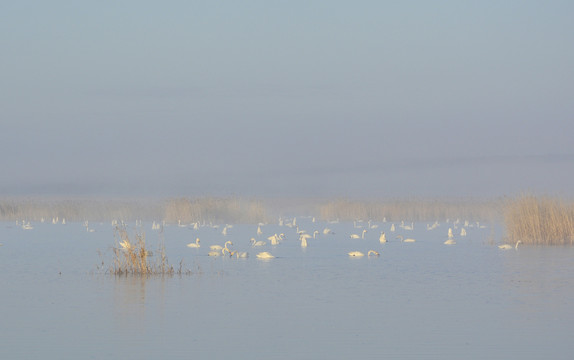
[(356, 253), (508, 247), (355, 236), (195, 244), (382, 238), (240, 254), (408, 240), (275, 239), (255, 243), (407, 227), (219, 247), (373, 253), (265, 255), (303, 239), (450, 242)]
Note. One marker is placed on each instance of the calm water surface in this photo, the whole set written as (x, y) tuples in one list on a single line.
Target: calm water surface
[(418, 300)]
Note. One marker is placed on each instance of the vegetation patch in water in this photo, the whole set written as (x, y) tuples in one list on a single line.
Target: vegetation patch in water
[(132, 257), (539, 221)]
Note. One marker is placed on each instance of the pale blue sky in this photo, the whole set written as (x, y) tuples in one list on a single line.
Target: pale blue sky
[(292, 98)]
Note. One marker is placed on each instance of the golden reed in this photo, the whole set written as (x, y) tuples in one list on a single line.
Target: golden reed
[(539, 220), (133, 258)]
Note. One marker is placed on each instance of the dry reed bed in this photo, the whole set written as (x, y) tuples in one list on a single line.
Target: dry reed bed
[(78, 210), (539, 220), (205, 209), (215, 210)]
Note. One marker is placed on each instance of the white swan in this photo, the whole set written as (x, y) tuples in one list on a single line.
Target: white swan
[(392, 227), (265, 255), (355, 236), (219, 247), (408, 240), (433, 226), (255, 243), (407, 227), (303, 239), (450, 235), (275, 239), (450, 242), (382, 238), (356, 253), (508, 247), (259, 232), (373, 253), (195, 244), (462, 232), (27, 226), (228, 251), (327, 231)]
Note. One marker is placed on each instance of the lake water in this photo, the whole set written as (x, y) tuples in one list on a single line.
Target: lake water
[(417, 300)]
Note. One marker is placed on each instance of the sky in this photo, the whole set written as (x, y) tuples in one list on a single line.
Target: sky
[(361, 99)]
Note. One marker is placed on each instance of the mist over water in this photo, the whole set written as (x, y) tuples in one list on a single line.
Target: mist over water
[(383, 100), (488, 177)]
